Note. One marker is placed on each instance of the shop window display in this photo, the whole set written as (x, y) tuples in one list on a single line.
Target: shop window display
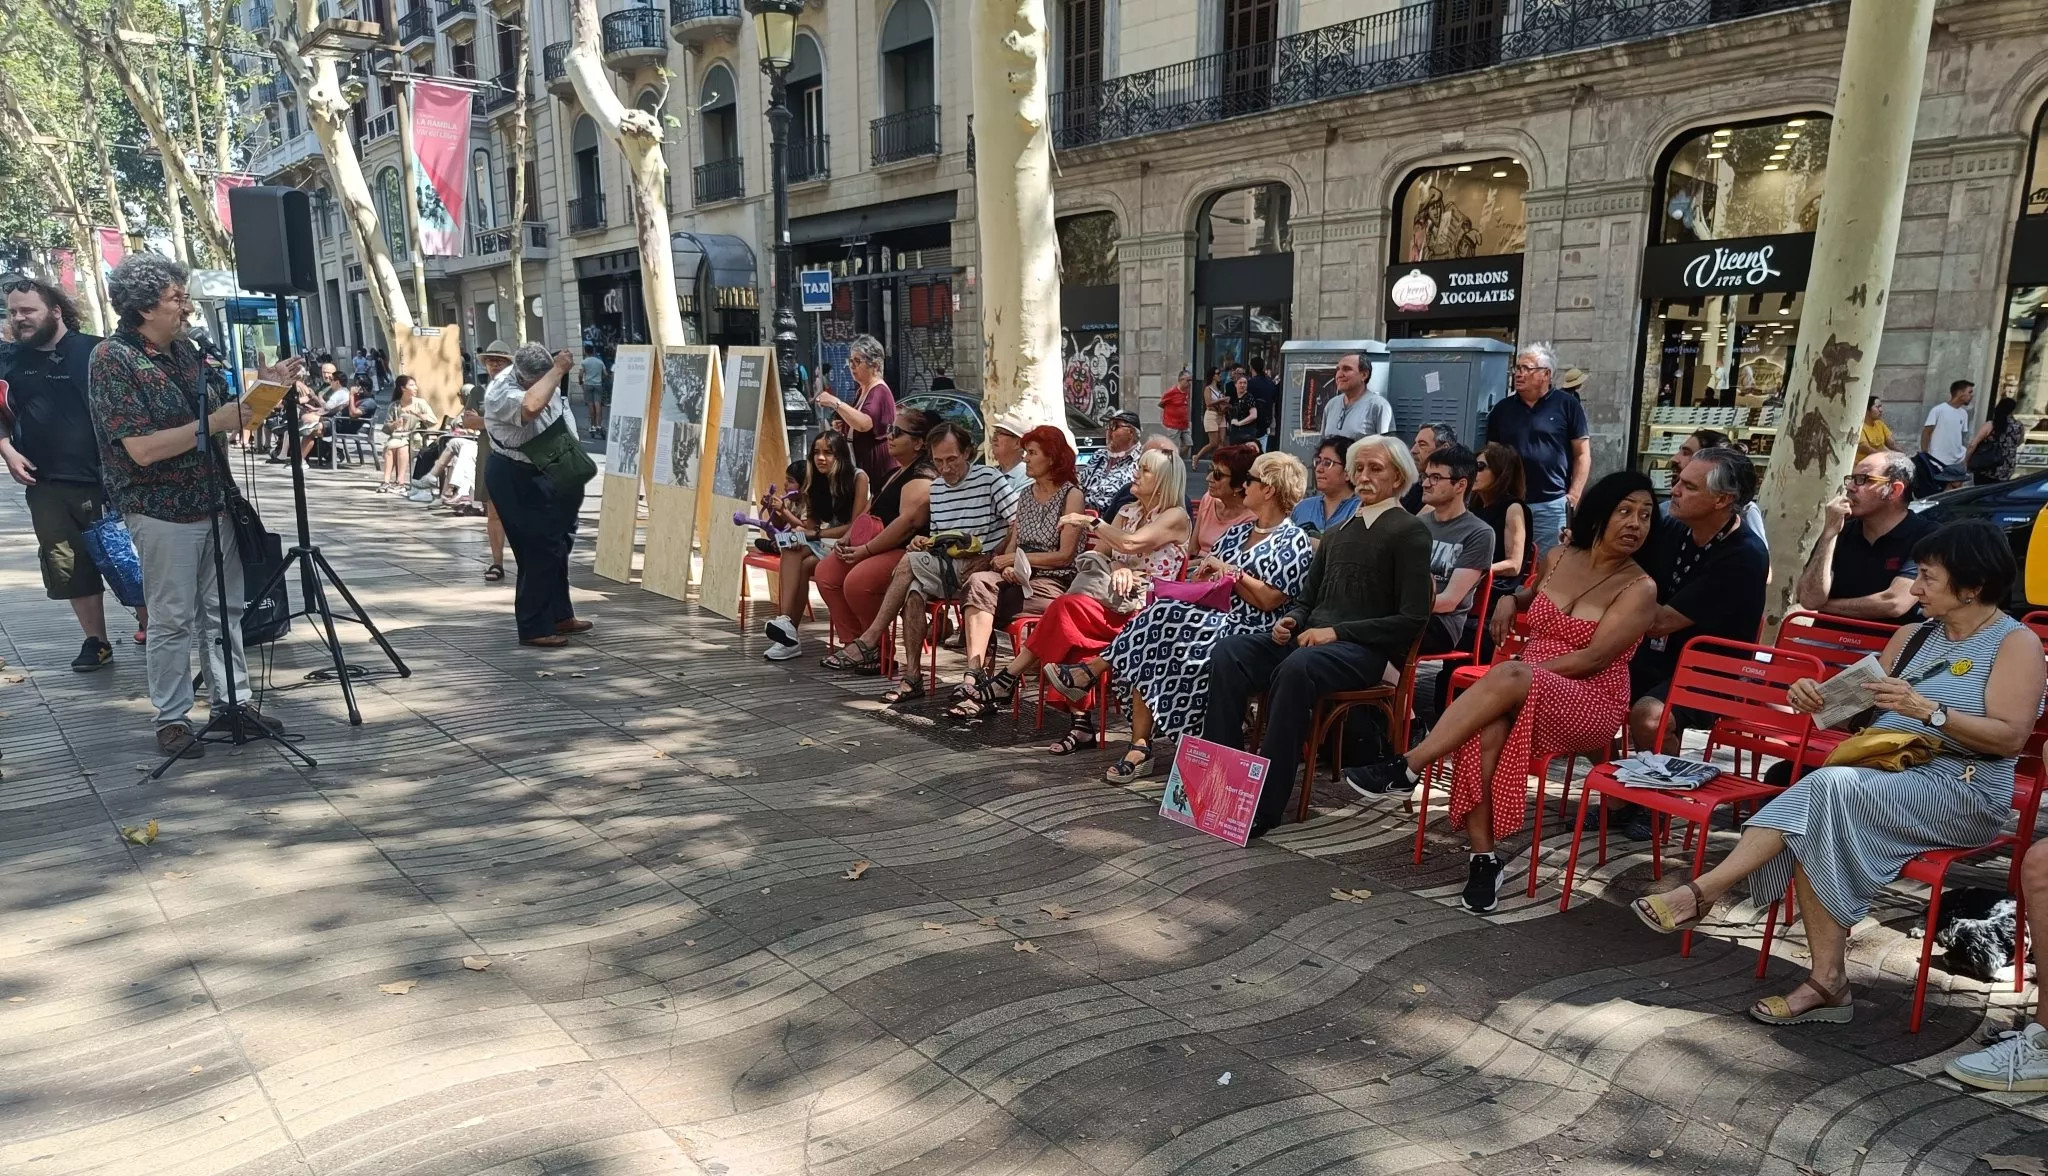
[(1723, 283), (1244, 276), (1459, 232), (2023, 344)]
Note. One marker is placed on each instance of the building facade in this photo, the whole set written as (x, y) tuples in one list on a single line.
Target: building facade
[(1636, 182)]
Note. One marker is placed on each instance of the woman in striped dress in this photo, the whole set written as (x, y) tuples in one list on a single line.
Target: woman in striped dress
[(1842, 834)]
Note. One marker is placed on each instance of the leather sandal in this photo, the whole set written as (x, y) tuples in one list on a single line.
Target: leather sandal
[(905, 690), (1835, 1008), (1657, 915), (494, 573), (1073, 682), (855, 655), (1128, 769)]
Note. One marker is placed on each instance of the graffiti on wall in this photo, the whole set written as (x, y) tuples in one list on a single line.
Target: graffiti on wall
[(1092, 371)]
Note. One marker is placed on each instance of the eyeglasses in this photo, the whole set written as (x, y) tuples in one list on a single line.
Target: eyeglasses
[(1328, 463), (1866, 479), (1525, 368), (1253, 480), (1215, 474), (1433, 479)]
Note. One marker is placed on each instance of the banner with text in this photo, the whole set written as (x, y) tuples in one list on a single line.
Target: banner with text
[(112, 247), (222, 185), (440, 147)]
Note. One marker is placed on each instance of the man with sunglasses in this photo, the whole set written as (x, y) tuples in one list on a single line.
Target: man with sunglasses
[(50, 449), (1863, 565), (1549, 430)]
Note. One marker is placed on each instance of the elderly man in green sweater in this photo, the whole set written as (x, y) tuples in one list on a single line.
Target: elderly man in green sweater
[(1368, 595)]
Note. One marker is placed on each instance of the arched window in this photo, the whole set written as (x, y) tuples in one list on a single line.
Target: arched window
[(718, 108), (1462, 210), (2023, 347), (907, 58), (1090, 335), (483, 203), (806, 82), (1244, 222), (586, 207), (1244, 276), (391, 212), (1758, 179)]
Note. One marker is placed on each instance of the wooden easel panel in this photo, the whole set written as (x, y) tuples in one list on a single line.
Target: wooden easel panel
[(689, 392), (628, 437), (749, 458)]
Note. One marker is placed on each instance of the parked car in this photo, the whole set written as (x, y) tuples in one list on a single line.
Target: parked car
[(965, 408), (2013, 506)]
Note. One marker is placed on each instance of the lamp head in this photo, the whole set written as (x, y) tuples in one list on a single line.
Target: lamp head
[(775, 31)]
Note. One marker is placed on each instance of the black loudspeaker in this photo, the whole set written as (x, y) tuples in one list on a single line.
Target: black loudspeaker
[(273, 230)]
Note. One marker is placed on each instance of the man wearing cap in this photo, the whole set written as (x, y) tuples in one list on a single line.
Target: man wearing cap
[(540, 520), (1111, 470), (1006, 446)]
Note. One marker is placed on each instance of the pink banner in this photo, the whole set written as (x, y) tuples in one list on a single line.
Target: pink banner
[(1214, 788), (222, 185), (112, 247), (67, 269), (440, 144)]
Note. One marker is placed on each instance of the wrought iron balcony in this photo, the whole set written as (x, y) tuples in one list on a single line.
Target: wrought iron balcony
[(905, 135), (497, 239), (722, 179), (586, 213), (382, 125), (554, 62), (808, 158), (634, 37), (693, 22), (503, 90), (1402, 46), (451, 11), (418, 22)]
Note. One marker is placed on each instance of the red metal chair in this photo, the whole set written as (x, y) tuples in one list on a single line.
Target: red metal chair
[(772, 564), (1743, 686), (1839, 642), (1930, 869)]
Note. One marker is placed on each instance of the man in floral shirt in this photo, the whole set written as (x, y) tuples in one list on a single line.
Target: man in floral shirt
[(145, 385), (1111, 470)]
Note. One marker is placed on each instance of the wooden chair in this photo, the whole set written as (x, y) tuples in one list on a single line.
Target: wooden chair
[(1745, 693), (1395, 702)]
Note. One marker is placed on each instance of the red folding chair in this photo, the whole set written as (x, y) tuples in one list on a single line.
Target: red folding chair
[(1931, 870), (1743, 686)]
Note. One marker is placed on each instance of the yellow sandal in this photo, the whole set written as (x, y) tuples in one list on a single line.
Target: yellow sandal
[(1656, 914), (1835, 1008)]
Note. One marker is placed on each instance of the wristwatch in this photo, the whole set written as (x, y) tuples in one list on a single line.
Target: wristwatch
[(1939, 718)]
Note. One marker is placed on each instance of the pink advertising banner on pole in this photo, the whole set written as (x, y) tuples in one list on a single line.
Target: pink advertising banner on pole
[(440, 145), (112, 247), (1214, 788), (222, 185), (67, 270)]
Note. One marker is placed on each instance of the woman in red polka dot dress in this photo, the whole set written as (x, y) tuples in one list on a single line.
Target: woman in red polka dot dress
[(1567, 691)]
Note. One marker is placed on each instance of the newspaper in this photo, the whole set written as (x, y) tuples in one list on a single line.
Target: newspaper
[(1843, 696), (1649, 770)]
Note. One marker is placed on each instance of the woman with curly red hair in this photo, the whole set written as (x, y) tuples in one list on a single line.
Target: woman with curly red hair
[(1000, 594)]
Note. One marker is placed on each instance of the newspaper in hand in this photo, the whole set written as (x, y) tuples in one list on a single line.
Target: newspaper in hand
[(1647, 769), (1843, 696)]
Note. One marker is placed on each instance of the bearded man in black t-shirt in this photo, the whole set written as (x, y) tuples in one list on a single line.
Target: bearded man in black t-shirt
[(51, 451)]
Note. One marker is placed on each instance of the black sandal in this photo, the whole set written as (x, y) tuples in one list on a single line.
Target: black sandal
[(855, 655), (1073, 682), (1127, 769), (904, 691), (494, 573), (1077, 738)]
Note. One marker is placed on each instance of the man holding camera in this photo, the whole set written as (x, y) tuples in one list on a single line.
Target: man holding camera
[(145, 390)]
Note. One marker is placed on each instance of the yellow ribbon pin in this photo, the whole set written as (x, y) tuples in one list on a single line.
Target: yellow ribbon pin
[(1960, 666)]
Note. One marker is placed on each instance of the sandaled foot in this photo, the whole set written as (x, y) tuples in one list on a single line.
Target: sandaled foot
[(1075, 740), (854, 655), (1661, 914), (1136, 764), (494, 573), (1072, 681), (1798, 1008), (904, 691)]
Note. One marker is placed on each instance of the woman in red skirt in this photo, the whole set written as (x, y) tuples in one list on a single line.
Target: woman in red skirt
[(1148, 538)]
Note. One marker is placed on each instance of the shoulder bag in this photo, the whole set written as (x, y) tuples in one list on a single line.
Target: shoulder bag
[(559, 455)]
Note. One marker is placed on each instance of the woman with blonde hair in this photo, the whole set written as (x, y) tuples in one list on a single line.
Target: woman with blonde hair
[(1149, 538), (1162, 655)]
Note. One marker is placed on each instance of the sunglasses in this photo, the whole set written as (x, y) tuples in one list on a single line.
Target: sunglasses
[(896, 432), (1482, 466), (1866, 479)]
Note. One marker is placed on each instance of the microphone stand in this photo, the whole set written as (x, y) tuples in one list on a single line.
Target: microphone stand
[(226, 722)]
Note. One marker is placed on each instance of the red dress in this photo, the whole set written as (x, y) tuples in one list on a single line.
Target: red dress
[(1561, 715)]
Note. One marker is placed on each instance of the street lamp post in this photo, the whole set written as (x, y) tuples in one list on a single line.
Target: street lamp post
[(775, 41)]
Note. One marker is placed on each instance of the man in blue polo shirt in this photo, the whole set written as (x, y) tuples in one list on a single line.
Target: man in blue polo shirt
[(1548, 429)]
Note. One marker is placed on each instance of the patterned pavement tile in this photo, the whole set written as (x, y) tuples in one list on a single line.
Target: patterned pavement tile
[(588, 912)]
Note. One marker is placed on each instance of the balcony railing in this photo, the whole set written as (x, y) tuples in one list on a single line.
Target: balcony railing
[(503, 90), (1394, 48), (905, 135), (418, 22), (688, 14), (381, 125), (722, 179), (586, 213), (808, 158), (498, 239), (554, 61), (635, 32), (454, 9)]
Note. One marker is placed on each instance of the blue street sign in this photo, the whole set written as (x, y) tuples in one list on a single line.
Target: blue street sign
[(816, 285)]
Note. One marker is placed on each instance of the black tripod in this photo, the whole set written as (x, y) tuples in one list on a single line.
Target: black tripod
[(313, 566), (229, 722)]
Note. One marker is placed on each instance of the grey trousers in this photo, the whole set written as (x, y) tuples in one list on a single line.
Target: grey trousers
[(178, 585)]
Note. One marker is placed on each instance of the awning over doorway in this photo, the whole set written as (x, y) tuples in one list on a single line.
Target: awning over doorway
[(719, 264)]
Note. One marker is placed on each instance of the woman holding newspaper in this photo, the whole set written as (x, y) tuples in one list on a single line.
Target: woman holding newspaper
[(1954, 712)]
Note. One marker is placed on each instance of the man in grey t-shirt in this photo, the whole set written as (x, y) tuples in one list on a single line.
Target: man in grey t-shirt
[(590, 371), (1461, 546)]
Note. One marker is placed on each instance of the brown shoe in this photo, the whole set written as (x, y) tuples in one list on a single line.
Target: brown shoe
[(573, 625), (551, 641), (176, 739)]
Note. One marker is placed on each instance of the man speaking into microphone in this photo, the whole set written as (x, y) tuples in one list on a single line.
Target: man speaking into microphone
[(147, 385)]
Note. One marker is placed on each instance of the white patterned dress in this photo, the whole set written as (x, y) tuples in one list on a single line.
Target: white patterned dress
[(1163, 652), (1853, 829)]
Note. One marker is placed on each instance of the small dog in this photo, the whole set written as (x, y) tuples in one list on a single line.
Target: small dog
[(1979, 931)]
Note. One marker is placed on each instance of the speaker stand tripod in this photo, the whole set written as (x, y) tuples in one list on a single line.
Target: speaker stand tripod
[(313, 566)]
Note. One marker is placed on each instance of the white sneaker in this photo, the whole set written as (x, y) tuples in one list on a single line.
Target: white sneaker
[(2016, 1061), (420, 495), (425, 482), (784, 652), (781, 630)]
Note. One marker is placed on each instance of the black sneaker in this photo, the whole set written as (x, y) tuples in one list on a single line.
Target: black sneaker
[(1482, 886), (92, 655), (1381, 776)]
